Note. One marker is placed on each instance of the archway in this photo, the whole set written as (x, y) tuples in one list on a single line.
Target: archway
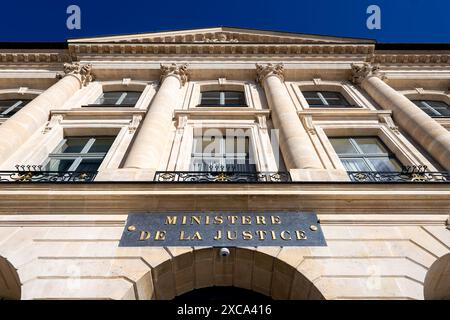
[(10, 287), (245, 268), (437, 280)]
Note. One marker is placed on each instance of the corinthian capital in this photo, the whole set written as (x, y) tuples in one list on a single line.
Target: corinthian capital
[(263, 71), (180, 71), (361, 71), (83, 72)]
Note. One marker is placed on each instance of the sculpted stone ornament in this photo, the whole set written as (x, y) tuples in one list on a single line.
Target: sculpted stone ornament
[(221, 37), (180, 71), (263, 71), (77, 69), (362, 71)]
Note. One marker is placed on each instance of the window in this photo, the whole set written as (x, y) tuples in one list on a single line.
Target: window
[(365, 154), (216, 153), (433, 108), (325, 99), (10, 107), (79, 154), (118, 98), (223, 99)]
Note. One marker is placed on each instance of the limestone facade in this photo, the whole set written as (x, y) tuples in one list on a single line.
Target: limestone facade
[(385, 240)]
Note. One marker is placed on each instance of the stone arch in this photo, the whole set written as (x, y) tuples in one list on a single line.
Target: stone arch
[(437, 280), (436, 95), (245, 268), (10, 287), (118, 85), (28, 94)]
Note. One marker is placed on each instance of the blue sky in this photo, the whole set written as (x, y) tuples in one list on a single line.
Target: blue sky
[(401, 20)]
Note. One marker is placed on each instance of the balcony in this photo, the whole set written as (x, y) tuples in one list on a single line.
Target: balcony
[(221, 176), (407, 174), (35, 173)]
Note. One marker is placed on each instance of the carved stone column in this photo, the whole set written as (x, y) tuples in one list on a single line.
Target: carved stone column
[(17, 129), (296, 146), (421, 127), (152, 137)]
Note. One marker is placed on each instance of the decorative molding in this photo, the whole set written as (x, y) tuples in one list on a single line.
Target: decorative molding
[(365, 70), (307, 121), (34, 57), (221, 37), (317, 81), (412, 59), (181, 122), (83, 71), (262, 121), (22, 90), (264, 71), (419, 90), (54, 121), (134, 123), (178, 70), (126, 81), (387, 119), (222, 81)]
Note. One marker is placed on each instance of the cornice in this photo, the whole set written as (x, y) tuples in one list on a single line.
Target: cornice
[(35, 56), (217, 48), (412, 58), (137, 50)]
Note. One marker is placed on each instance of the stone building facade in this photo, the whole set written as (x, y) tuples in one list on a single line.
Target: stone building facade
[(352, 130)]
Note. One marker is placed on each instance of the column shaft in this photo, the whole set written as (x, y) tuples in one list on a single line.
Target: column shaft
[(153, 136), (296, 146)]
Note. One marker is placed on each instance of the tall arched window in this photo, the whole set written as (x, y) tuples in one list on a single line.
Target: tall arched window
[(222, 99), (118, 99)]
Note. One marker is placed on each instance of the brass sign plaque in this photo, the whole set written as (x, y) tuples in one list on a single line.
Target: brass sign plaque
[(222, 229)]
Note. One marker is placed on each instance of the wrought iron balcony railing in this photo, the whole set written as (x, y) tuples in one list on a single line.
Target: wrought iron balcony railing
[(34, 173), (402, 176), (221, 176)]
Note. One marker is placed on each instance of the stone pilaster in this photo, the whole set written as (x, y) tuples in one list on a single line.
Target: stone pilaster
[(421, 127), (152, 137), (296, 146), (17, 129)]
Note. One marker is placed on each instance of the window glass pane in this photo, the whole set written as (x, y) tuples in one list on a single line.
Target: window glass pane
[(385, 164), (11, 107), (371, 145), (131, 98), (87, 165), (433, 108), (72, 145), (355, 164), (101, 144), (211, 98), (59, 165), (109, 98), (313, 98), (343, 146), (310, 94), (335, 98), (441, 107), (234, 98)]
